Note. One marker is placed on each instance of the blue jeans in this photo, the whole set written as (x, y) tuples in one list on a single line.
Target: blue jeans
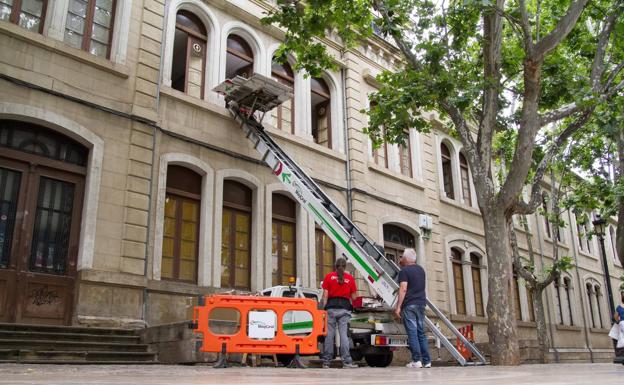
[(337, 319), (414, 321)]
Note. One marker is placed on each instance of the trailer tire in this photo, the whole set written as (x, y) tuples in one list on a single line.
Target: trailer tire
[(379, 360), (356, 354)]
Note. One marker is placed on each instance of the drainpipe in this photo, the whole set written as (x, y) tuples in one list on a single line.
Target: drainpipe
[(541, 247), (578, 277), (343, 78)]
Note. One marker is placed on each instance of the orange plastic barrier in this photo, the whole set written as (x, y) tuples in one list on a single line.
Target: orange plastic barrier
[(468, 332), (240, 342)]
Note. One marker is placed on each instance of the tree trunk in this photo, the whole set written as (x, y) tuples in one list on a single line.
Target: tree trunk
[(501, 320), (543, 341), (619, 165)]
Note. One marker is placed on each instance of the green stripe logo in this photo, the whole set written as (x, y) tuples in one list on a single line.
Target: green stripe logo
[(345, 244), (297, 325)]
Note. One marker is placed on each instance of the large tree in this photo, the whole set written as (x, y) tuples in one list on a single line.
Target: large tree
[(528, 73)]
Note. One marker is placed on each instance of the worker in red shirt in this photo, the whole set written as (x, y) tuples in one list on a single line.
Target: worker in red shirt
[(338, 291)]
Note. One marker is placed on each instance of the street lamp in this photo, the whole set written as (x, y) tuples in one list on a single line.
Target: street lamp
[(599, 228)]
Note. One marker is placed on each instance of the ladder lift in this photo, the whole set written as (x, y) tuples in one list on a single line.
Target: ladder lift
[(249, 100)]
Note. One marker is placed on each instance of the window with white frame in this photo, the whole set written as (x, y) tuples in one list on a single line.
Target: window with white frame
[(613, 243), (447, 171), (458, 280), (465, 179), (475, 270), (594, 304), (239, 59), (320, 97), (284, 114), (89, 26), (467, 276), (563, 297), (189, 54), (405, 156), (29, 14)]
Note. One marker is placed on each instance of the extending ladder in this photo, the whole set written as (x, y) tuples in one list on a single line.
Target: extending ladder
[(249, 100)]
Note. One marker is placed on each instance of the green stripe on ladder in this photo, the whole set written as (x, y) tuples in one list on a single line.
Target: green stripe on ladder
[(344, 244)]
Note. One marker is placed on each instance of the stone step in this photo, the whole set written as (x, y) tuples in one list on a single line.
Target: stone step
[(89, 356), (66, 329), (56, 345), (70, 362), (54, 336)]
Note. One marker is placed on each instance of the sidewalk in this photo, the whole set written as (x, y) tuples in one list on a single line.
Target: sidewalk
[(553, 374)]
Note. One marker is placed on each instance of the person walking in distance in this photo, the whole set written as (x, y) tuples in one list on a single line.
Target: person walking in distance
[(338, 291), (411, 308)]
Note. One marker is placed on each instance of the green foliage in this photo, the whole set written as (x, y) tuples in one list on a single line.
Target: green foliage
[(561, 265)]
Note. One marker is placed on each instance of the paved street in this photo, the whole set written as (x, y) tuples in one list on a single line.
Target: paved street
[(563, 374)]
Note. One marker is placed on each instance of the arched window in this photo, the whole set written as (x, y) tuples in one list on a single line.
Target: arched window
[(516, 294), (530, 305), (465, 179), (546, 214), (89, 25), (613, 239), (557, 287), (181, 224), (567, 286), (447, 171), (590, 303), (236, 236), (598, 294), (325, 255), (475, 269), (321, 112), (239, 58), (396, 240), (26, 14), (284, 250), (380, 154), (189, 55), (284, 114), (458, 280), (405, 158), (42, 177), (583, 238)]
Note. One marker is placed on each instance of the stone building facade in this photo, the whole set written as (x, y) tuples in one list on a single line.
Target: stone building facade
[(126, 189)]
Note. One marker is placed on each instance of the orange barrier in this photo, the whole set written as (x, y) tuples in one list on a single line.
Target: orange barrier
[(240, 342), (468, 332)]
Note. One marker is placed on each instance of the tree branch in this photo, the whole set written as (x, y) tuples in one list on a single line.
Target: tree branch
[(613, 74), (492, 40), (553, 149), (598, 65), (526, 28), (403, 45), (563, 28)]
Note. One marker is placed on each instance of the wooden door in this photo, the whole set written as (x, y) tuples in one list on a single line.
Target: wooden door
[(40, 225)]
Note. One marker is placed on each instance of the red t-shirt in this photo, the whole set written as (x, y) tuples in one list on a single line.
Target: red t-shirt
[(335, 289)]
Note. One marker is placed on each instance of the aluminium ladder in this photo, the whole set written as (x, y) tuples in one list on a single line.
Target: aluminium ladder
[(249, 100)]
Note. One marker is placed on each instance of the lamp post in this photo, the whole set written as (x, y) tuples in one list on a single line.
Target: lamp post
[(599, 228)]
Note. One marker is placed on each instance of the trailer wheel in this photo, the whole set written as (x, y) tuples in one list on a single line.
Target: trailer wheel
[(356, 354), (379, 360)]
